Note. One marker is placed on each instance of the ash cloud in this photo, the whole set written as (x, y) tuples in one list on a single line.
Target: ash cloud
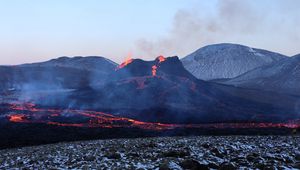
[(234, 21)]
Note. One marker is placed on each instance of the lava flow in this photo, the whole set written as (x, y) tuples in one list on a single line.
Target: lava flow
[(17, 118), (155, 67), (28, 113), (154, 70)]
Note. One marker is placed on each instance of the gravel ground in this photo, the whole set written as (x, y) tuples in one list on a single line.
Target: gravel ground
[(211, 152)]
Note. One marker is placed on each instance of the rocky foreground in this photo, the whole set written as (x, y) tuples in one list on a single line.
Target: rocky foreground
[(230, 152)]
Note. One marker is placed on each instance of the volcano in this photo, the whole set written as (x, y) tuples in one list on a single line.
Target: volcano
[(163, 91), (164, 67), (136, 98)]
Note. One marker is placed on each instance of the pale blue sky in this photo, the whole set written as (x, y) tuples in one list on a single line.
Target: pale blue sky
[(35, 30)]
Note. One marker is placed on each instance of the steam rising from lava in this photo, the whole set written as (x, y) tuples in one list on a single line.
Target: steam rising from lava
[(134, 77), (235, 21), (93, 119)]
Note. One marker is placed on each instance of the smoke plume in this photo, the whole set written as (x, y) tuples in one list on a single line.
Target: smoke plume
[(247, 22)]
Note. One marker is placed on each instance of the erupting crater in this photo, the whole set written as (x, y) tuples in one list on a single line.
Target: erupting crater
[(127, 61), (160, 59)]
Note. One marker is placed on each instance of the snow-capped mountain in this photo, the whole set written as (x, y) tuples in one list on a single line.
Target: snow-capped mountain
[(282, 76), (226, 60)]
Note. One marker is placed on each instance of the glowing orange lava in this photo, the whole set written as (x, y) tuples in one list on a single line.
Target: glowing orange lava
[(161, 59), (127, 61), (154, 70), (16, 118), (155, 67), (65, 124), (95, 119), (25, 106), (54, 115)]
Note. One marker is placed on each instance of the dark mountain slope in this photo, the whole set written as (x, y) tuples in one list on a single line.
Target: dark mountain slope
[(61, 73), (173, 95)]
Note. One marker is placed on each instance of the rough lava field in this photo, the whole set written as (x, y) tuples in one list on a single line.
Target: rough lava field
[(203, 152)]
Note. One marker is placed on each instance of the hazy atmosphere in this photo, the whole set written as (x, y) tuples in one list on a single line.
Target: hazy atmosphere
[(150, 84), (35, 30)]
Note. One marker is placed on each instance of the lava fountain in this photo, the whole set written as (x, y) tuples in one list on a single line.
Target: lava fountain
[(161, 59), (127, 61)]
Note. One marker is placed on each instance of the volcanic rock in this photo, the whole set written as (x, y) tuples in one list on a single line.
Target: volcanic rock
[(193, 165), (64, 155)]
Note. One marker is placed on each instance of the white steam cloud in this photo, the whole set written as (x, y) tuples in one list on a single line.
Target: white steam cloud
[(269, 24)]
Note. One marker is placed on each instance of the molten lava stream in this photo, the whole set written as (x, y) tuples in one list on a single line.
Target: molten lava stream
[(17, 118), (154, 68), (105, 120)]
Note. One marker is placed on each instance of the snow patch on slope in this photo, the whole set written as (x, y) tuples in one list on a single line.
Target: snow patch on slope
[(282, 76), (226, 60)]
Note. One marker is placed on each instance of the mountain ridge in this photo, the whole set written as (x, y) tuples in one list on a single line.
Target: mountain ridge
[(282, 76), (95, 63), (169, 96), (226, 60), (62, 72)]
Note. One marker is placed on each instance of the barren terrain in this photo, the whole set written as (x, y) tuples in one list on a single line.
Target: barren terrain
[(204, 152)]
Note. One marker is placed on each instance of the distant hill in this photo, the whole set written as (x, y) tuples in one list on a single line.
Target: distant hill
[(63, 72), (226, 60), (95, 63), (282, 76)]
